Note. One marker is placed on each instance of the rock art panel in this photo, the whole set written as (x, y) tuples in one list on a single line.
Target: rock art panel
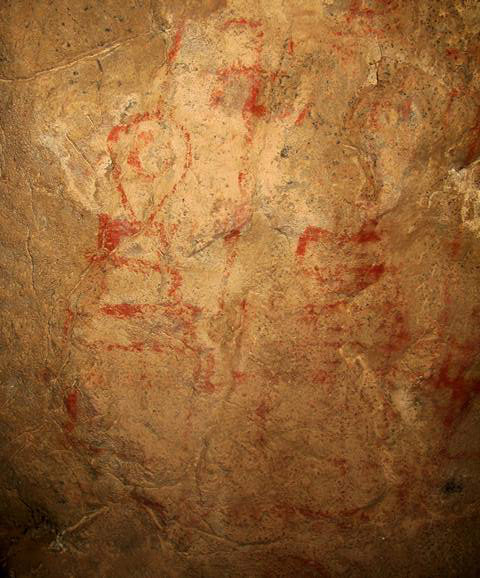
[(240, 253)]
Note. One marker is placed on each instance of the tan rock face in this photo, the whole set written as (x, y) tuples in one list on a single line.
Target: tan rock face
[(240, 288)]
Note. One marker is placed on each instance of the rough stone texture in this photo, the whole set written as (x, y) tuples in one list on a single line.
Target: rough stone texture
[(240, 309)]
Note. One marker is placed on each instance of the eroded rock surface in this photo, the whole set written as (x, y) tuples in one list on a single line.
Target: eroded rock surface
[(240, 288)]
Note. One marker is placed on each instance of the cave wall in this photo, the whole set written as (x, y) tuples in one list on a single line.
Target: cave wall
[(240, 310)]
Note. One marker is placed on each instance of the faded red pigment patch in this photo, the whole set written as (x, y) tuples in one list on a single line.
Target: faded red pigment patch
[(157, 507), (313, 313), (232, 235), (111, 231), (462, 387), (70, 441), (239, 376), (456, 245), (474, 147), (311, 234), (320, 377), (184, 313), (46, 375), (134, 347), (135, 265), (71, 405), (302, 115), (453, 53), (455, 93), (289, 511), (114, 134), (242, 175), (406, 109), (367, 234), (459, 370), (116, 131), (187, 163), (252, 105), (68, 323), (175, 48), (185, 316), (216, 97), (204, 373), (134, 160), (242, 22), (263, 410), (144, 139), (358, 9), (177, 281), (398, 334), (230, 240), (368, 274), (127, 310)]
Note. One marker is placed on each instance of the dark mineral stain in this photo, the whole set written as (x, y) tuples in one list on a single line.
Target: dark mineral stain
[(452, 486)]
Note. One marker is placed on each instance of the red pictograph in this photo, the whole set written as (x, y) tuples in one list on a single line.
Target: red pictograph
[(150, 130), (253, 72), (146, 171), (150, 156)]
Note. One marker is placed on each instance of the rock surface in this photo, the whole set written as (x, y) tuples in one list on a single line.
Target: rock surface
[(240, 309)]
